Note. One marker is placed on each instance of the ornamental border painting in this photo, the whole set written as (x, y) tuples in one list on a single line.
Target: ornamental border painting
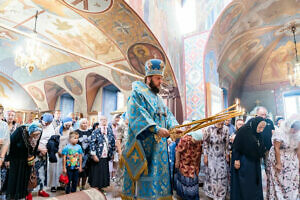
[(90, 6)]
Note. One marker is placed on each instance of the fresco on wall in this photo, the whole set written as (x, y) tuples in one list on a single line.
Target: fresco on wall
[(52, 92), (194, 75), (122, 80), (161, 18), (279, 63), (139, 53), (12, 95), (229, 18), (36, 93), (73, 85), (210, 64)]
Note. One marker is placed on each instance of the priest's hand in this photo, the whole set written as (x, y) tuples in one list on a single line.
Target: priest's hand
[(163, 132), (237, 164)]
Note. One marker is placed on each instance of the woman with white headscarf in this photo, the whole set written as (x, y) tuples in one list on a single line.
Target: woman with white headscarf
[(284, 159)]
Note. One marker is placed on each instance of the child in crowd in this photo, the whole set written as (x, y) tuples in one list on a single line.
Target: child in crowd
[(72, 161)]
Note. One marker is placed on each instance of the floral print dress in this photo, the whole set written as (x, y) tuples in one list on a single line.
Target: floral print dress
[(284, 184), (216, 147)]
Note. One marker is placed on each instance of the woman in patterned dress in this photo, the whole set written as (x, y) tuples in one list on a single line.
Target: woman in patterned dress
[(102, 147), (284, 161), (216, 158), (187, 163)]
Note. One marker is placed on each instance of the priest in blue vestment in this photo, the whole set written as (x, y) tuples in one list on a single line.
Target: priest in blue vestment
[(145, 158)]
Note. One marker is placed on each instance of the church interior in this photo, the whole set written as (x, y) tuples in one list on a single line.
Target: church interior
[(80, 57)]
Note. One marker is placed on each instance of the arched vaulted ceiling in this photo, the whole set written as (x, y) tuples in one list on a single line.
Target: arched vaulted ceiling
[(108, 31), (251, 43)]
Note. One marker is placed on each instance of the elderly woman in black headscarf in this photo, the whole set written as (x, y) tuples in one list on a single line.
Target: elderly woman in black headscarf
[(248, 149), (23, 149)]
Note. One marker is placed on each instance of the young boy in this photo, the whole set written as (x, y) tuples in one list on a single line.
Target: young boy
[(72, 160)]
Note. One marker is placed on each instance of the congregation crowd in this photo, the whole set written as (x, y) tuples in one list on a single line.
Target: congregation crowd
[(59, 154), (224, 159)]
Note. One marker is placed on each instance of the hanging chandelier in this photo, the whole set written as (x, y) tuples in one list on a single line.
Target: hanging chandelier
[(31, 56), (294, 73)]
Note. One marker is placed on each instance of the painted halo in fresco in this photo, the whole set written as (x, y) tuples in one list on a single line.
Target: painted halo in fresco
[(90, 6), (229, 18), (139, 53), (36, 93), (123, 81), (73, 85)]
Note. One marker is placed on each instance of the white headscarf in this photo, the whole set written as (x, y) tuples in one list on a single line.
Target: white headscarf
[(285, 131)]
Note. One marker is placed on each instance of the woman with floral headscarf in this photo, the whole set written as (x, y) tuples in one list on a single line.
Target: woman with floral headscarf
[(284, 159), (23, 148)]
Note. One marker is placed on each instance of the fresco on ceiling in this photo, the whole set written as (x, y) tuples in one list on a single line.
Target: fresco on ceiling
[(56, 8), (244, 53), (88, 41), (92, 6), (269, 10), (280, 61), (210, 65), (229, 18), (73, 85), (36, 93), (139, 53), (12, 95), (24, 78), (106, 37), (194, 76), (253, 26), (161, 18), (60, 62), (122, 80)]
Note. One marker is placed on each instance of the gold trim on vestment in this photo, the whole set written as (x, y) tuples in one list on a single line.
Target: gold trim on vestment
[(124, 197)]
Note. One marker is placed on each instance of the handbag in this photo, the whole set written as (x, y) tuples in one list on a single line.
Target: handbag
[(63, 179), (32, 183)]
